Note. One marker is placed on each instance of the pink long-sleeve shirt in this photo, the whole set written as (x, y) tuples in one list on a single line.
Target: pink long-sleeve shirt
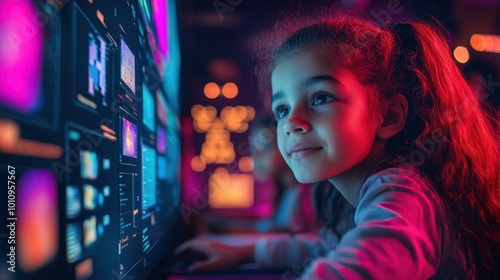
[(400, 232)]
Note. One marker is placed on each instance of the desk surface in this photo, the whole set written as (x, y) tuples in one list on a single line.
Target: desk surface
[(227, 277), (246, 272)]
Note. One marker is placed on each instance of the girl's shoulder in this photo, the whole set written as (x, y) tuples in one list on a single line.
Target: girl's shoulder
[(397, 176), (398, 184), (403, 199)]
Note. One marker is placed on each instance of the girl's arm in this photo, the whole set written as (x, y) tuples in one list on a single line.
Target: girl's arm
[(283, 251), (218, 255), (399, 233)]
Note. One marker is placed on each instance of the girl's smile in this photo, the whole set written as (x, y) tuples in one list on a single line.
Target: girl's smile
[(301, 150)]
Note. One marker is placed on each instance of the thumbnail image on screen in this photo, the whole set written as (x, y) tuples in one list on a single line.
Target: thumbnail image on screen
[(149, 177), (89, 231), (93, 56), (37, 215), (73, 202), (127, 69), (161, 144), (89, 165), (74, 242), (129, 137), (161, 108), (148, 117), (162, 168), (97, 66)]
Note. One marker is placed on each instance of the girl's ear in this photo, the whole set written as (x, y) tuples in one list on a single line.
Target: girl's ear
[(394, 116)]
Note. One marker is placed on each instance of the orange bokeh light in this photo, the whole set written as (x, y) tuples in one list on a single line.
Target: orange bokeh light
[(230, 190), (485, 43), (198, 164), (478, 42), (211, 90), (230, 90), (461, 54), (245, 164)]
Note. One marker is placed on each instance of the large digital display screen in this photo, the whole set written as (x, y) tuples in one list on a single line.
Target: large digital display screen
[(92, 169)]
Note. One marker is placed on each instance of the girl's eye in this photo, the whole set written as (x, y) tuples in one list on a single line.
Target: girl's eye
[(321, 99), (280, 112)]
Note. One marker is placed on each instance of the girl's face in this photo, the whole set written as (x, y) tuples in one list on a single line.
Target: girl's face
[(325, 125)]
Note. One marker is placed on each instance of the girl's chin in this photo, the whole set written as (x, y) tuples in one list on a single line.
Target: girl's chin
[(308, 179)]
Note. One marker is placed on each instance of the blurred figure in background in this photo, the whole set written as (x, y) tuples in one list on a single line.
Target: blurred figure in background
[(293, 201)]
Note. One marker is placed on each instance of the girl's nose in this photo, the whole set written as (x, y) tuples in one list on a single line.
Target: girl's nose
[(296, 123)]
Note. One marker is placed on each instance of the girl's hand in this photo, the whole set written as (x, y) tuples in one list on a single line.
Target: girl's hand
[(219, 255)]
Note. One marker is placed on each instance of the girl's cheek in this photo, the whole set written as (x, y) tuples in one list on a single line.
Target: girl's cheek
[(281, 149)]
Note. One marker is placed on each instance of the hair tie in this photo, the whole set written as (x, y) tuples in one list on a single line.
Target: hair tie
[(394, 25), (405, 53), (403, 33)]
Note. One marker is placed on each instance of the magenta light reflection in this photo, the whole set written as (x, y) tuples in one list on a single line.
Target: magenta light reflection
[(21, 49), (160, 20)]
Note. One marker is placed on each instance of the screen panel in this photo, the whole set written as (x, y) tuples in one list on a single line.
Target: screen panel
[(92, 166)]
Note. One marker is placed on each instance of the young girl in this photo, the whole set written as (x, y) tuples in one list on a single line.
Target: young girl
[(385, 115)]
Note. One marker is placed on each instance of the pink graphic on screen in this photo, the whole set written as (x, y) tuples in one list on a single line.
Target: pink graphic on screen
[(21, 54), (37, 219), (161, 143), (129, 135)]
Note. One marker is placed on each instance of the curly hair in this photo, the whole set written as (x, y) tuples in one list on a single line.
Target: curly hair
[(451, 136)]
